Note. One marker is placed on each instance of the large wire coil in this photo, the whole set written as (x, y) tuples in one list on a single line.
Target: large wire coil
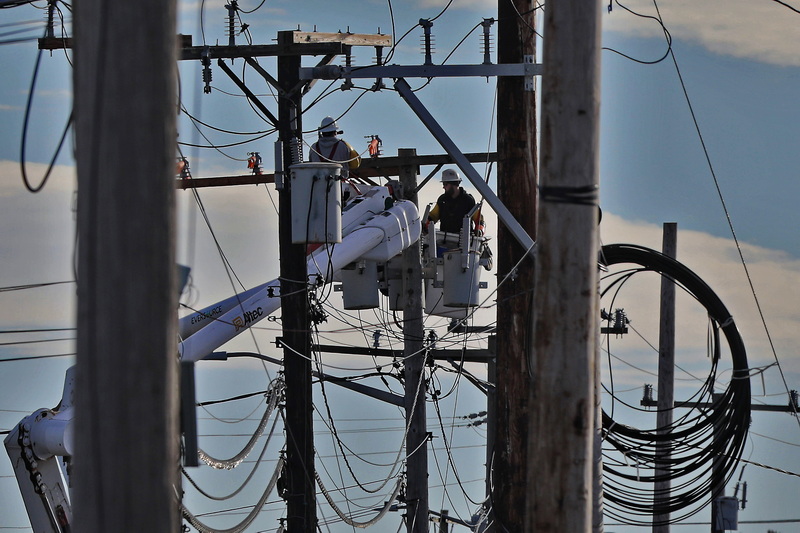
[(702, 446)]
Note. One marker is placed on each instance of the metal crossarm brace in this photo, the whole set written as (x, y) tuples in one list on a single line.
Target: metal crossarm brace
[(266, 75), (463, 163), (252, 97)]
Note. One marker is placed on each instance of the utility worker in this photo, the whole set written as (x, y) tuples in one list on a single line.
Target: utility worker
[(453, 206), (331, 148)]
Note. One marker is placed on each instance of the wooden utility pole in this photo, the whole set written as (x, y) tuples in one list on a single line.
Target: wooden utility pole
[(566, 313), (414, 354), (127, 442), (299, 481), (516, 188), (666, 379)]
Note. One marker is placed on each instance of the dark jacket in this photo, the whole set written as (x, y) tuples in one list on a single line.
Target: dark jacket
[(450, 212)]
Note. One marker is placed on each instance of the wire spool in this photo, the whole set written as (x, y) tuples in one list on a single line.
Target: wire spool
[(708, 436)]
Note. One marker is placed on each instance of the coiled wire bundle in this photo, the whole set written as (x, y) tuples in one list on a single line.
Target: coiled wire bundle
[(699, 451)]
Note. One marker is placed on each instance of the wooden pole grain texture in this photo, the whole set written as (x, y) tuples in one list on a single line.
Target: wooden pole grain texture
[(516, 189), (666, 377), (417, 501), (125, 473), (566, 315)]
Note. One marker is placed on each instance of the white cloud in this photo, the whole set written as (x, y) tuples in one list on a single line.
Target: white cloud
[(760, 31)]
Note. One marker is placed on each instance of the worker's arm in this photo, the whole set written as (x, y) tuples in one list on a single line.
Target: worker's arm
[(353, 158), (433, 216), (478, 223)]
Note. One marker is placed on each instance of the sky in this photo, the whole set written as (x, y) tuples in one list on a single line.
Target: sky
[(702, 134)]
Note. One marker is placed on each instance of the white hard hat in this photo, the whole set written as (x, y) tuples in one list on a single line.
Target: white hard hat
[(450, 176), (328, 125)]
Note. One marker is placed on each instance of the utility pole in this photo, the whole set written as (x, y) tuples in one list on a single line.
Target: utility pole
[(127, 441), (666, 380), (414, 355), (516, 189), (566, 314), (299, 477)]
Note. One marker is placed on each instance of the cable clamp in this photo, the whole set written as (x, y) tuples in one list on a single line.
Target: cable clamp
[(583, 195)]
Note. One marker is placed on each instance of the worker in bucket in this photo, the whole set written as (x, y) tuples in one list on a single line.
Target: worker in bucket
[(332, 149), (453, 205), (450, 209)]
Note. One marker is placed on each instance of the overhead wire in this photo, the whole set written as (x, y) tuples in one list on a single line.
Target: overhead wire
[(23, 141), (784, 4), (713, 434), (728, 218), (658, 20), (33, 285)]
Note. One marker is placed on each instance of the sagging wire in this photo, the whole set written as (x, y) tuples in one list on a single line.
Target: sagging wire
[(729, 220), (658, 20), (23, 141), (275, 395), (242, 526), (715, 432)]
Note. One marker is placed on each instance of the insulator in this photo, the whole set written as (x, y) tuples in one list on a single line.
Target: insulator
[(231, 22), (620, 319), (296, 150), (647, 395), (486, 41), (50, 33), (427, 40)]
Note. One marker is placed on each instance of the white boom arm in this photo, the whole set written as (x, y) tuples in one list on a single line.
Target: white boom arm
[(36, 447), (378, 238)]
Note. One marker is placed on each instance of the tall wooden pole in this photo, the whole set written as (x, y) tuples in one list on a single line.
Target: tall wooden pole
[(127, 443), (516, 188), (300, 483), (413, 334), (566, 313), (666, 378)]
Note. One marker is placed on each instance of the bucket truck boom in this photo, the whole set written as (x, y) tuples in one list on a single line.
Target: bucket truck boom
[(369, 234)]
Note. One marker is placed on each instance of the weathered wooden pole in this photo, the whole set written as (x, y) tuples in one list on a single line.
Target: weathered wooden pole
[(301, 504), (413, 334), (666, 379), (127, 442), (516, 188), (566, 314)]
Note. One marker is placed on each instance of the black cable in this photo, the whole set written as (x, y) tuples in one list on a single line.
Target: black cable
[(694, 442), (221, 130), (784, 4), (32, 286), (33, 357), (23, 142), (667, 35), (728, 219), (5, 4)]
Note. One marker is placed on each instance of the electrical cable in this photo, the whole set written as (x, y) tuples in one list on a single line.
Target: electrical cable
[(728, 219), (274, 396), (242, 526), (247, 479), (784, 4), (23, 141), (33, 286), (716, 434), (658, 20)]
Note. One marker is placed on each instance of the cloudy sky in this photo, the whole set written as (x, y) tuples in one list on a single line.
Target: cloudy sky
[(703, 136)]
